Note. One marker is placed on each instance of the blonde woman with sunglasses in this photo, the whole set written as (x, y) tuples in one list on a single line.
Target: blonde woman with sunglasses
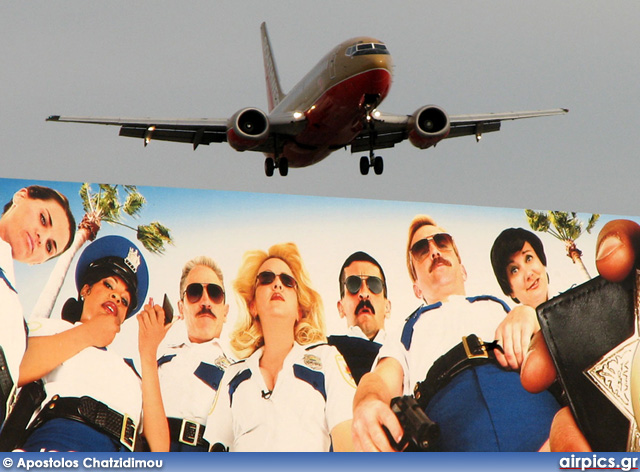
[(291, 391)]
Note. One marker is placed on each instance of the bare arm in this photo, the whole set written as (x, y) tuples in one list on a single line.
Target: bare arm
[(514, 335), (371, 407), (45, 353), (341, 437), (150, 334)]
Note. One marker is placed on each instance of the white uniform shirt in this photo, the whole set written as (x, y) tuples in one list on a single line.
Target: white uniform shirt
[(438, 330), (356, 332), (99, 373), (313, 393), (189, 374), (13, 337)]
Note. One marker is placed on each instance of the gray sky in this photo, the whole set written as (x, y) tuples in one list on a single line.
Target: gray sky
[(203, 59)]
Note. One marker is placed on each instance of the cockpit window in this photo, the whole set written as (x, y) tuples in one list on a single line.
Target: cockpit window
[(366, 48)]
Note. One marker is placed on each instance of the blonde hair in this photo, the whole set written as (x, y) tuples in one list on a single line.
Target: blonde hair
[(247, 335), (418, 222)]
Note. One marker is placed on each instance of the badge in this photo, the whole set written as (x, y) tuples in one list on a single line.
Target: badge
[(312, 361), (344, 370), (222, 362)]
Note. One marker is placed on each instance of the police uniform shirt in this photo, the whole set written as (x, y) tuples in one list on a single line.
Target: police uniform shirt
[(313, 393), (190, 374), (439, 328), (13, 338), (100, 373), (356, 332)]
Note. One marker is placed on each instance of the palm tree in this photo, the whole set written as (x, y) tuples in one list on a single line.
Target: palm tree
[(564, 226), (102, 206)]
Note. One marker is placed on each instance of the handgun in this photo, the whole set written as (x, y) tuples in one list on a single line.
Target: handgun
[(421, 434)]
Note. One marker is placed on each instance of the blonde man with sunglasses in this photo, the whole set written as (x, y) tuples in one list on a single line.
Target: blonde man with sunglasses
[(478, 403), (192, 360)]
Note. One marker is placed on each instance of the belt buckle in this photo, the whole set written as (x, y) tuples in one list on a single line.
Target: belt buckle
[(472, 351), (196, 432), (128, 443)]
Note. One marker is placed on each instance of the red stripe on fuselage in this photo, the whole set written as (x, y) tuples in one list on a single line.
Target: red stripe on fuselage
[(336, 117)]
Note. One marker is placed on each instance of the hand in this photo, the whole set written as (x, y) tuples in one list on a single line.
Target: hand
[(514, 335), (152, 329), (368, 418), (616, 249), (101, 329)]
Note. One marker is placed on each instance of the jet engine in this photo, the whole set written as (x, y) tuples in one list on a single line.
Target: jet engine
[(247, 129), (427, 126)]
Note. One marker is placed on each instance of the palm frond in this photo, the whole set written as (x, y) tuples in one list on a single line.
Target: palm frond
[(154, 236), (133, 204)]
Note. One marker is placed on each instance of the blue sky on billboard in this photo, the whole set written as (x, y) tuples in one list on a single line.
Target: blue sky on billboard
[(225, 224)]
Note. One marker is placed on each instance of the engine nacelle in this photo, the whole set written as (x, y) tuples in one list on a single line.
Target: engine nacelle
[(427, 126), (247, 129)]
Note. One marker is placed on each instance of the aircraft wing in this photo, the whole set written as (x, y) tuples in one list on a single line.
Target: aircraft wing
[(196, 131), (193, 130), (391, 129)]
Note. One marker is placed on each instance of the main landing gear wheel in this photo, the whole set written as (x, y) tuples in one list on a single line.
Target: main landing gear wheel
[(283, 166), (364, 165), (281, 163), (378, 165), (269, 166), (372, 161)]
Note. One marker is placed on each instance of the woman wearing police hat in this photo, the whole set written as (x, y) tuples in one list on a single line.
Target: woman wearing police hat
[(94, 396), (293, 392)]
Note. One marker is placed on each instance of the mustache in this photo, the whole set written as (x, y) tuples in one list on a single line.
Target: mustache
[(205, 311), (439, 260), (365, 304)]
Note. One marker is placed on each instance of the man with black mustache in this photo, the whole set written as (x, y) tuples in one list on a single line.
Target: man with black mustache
[(467, 388), (191, 361), (364, 304)]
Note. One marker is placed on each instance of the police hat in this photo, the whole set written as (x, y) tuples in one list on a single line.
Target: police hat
[(115, 255)]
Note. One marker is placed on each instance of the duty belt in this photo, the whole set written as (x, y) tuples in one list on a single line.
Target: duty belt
[(471, 352), (93, 413), (187, 432), (7, 387)]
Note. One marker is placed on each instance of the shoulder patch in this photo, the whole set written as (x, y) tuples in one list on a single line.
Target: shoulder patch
[(344, 370), (312, 361)]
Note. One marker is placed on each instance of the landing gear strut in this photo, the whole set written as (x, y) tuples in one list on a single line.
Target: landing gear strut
[(281, 163), (372, 161)]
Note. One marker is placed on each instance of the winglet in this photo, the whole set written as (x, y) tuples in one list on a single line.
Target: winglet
[(53, 118), (274, 91)]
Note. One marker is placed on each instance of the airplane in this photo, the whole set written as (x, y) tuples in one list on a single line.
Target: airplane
[(333, 107)]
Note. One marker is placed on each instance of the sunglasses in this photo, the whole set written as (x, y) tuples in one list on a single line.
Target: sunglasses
[(267, 277), (354, 282), (194, 292), (421, 249)]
